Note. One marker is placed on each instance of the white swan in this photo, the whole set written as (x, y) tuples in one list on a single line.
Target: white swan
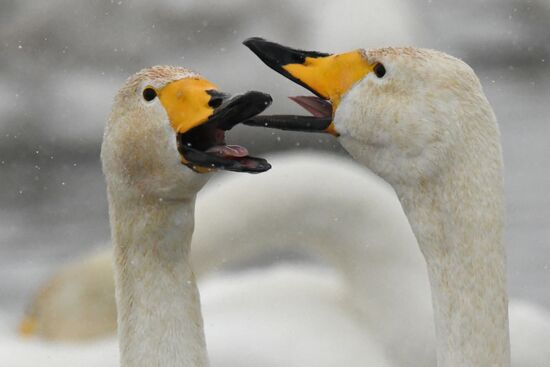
[(380, 283), (167, 125), (419, 119)]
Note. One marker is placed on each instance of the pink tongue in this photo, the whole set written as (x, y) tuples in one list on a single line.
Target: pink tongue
[(316, 106), (229, 151)]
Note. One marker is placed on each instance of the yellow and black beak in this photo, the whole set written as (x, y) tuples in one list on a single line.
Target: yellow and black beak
[(328, 76), (200, 116)]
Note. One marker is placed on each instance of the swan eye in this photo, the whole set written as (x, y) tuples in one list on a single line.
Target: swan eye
[(379, 70), (149, 94)]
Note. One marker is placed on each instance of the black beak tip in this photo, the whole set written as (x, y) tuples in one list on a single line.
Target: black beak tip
[(252, 41), (241, 108), (271, 53), (276, 55), (262, 167), (258, 44), (260, 99)]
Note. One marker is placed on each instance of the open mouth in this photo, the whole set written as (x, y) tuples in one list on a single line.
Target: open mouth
[(276, 57), (320, 119), (317, 106), (203, 148), (328, 76)]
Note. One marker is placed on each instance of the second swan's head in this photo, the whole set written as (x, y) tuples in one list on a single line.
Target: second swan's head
[(403, 112), (167, 128)]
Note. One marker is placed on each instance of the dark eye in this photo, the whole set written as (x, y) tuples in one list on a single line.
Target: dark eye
[(149, 94), (379, 70)]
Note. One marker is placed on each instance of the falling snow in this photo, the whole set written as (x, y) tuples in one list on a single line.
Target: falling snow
[(62, 61)]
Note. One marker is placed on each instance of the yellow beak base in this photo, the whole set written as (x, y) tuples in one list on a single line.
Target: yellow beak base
[(331, 76), (187, 102)]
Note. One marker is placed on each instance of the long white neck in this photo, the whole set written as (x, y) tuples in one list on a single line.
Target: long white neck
[(457, 218), (159, 317)]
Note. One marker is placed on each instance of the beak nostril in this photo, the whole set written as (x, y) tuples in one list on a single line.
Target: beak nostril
[(216, 98)]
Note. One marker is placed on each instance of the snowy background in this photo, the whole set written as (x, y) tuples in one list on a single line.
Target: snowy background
[(61, 62)]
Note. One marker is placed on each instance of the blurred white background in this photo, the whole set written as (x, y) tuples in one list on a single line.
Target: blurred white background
[(62, 61)]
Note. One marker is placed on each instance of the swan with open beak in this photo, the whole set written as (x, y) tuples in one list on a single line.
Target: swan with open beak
[(198, 113), (328, 76)]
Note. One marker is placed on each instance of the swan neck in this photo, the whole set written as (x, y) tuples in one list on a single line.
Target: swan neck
[(470, 309), (458, 221), (159, 317)]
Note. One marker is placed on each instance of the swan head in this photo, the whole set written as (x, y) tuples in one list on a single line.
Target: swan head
[(399, 111), (167, 129)]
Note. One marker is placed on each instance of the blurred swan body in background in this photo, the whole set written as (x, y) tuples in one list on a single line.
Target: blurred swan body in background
[(377, 292), (301, 303), (305, 298)]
